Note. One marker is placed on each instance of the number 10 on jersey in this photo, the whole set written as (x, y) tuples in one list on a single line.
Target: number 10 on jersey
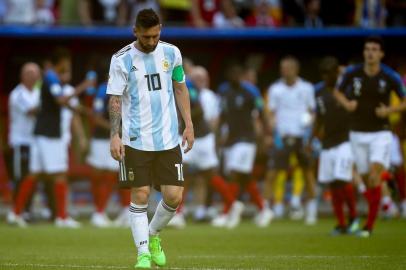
[(179, 167), (153, 81)]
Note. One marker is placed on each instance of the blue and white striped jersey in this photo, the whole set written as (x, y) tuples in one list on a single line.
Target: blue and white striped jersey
[(149, 117)]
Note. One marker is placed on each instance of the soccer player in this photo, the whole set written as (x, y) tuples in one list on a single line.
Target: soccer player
[(48, 155), (239, 107), (23, 105), (364, 90), (146, 78), (336, 159), (291, 110), (203, 157)]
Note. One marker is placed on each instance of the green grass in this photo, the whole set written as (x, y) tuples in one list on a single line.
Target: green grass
[(283, 245)]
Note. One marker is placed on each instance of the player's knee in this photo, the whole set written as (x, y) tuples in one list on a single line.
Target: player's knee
[(375, 174), (140, 196), (173, 199)]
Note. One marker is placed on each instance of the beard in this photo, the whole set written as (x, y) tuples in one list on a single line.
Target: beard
[(147, 48)]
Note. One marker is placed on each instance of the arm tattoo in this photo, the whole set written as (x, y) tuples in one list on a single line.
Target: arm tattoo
[(115, 114)]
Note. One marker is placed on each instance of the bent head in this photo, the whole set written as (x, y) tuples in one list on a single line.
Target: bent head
[(147, 30), (373, 50), (329, 69)]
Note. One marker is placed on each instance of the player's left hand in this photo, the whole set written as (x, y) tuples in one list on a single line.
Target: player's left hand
[(382, 111), (189, 137)]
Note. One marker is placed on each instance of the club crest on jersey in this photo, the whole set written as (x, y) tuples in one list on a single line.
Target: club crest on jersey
[(382, 86), (131, 174), (357, 84), (165, 65)]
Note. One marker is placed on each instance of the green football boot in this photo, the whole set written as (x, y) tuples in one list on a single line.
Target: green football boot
[(157, 254), (143, 261)]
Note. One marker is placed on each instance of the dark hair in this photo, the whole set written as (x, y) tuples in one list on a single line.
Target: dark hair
[(59, 54), (147, 18), (328, 64), (375, 39), (291, 58)]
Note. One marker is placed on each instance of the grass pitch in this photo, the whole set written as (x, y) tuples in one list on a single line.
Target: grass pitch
[(283, 245)]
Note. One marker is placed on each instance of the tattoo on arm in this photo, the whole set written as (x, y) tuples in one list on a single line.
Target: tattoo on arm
[(115, 114)]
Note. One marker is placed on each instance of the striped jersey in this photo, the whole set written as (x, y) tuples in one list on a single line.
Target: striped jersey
[(144, 80)]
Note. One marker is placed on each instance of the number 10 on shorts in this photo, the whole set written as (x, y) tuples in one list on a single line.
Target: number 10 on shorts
[(179, 167)]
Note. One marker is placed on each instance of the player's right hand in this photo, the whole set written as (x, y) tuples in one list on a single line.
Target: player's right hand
[(116, 148), (351, 105), (189, 137)]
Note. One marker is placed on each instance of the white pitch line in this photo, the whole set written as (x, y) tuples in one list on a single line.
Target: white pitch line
[(63, 266), (281, 256)]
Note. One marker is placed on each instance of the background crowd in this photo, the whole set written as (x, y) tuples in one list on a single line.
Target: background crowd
[(208, 13)]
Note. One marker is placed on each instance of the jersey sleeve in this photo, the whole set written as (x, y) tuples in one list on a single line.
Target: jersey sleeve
[(311, 99), (98, 102), (118, 76), (52, 80), (22, 102), (258, 102), (398, 85), (344, 80), (272, 98), (178, 73)]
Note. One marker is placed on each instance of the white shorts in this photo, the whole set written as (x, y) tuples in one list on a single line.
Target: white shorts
[(396, 158), (336, 163), (371, 147), (203, 155), (48, 155), (240, 157), (99, 156)]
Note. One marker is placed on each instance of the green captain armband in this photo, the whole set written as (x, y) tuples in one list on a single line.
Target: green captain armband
[(178, 74)]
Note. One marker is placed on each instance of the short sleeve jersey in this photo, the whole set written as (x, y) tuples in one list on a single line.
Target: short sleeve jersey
[(289, 104), (332, 116), (21, 101), (369, 92), (49, 117), (237, 108), (145, 82)]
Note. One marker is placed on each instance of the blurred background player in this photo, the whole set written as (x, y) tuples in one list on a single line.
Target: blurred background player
[(336, 158), (291, 112), (202, 160), (23, 106), (239, 108), (49, 151), (364, 90), (104, 167)]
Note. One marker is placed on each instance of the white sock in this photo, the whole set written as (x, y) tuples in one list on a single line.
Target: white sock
[(362, 188), (295, 201), (278, 209), (386, 200), (311, 208), (403, 205), (163, 214), (139, 227)]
